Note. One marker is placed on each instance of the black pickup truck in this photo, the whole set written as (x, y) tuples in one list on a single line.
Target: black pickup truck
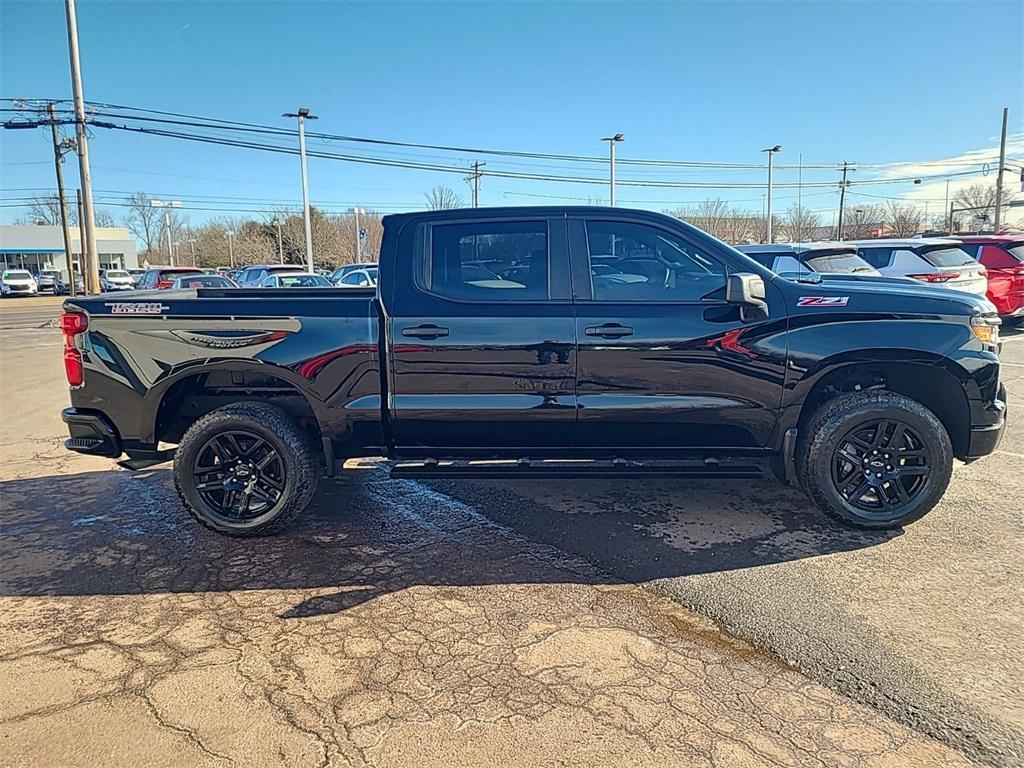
[(542, 342)]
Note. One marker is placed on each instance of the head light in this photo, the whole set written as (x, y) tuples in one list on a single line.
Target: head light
[(986, 328)]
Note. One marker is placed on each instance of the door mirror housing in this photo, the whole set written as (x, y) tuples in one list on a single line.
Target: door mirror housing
[(747, 290)]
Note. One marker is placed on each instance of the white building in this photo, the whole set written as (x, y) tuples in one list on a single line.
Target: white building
[(35, 247)]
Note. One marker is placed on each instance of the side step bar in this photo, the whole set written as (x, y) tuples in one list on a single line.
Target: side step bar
[(568, 470)]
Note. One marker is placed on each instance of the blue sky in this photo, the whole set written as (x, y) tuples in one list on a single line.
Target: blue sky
[(862, 81)]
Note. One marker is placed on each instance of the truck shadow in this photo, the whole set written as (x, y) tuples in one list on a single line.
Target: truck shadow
[(118, 533)]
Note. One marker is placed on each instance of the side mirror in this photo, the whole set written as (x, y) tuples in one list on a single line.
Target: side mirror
[(747, 290)]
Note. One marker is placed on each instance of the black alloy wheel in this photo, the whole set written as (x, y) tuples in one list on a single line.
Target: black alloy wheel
[(239, 475), (880, 467)]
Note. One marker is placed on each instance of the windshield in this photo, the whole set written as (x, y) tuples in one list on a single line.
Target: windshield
[(117, 274), (50, 273), (839, 264), (946, 256), (304, 281), (17, 274)]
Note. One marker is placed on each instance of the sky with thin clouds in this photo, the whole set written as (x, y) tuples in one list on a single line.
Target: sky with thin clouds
[(873, 82)]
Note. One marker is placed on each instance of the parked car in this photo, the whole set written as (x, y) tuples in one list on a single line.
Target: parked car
[(1003, 259), (251, 277), (343, 270), (359, 278), (203, 281), (163, 278), (17, 282), (940, 262), (825, 258), (62, 287), (116, 280), (863, 392), (136, 275), (47, 280), (295, 279)]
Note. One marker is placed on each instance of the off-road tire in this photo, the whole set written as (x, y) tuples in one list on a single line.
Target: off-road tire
[(296, 448), (824, 431)]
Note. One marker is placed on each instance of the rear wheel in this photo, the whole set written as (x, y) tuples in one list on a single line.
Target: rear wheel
[(875, 459), (246, 468)]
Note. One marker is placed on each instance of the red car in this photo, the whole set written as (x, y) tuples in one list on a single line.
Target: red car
[(1003, 258)]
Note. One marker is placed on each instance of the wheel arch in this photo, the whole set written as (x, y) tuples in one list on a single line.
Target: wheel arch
[(181, 399), (931, 380)]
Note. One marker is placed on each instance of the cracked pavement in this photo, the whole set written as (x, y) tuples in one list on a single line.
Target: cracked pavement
[(402, 624)]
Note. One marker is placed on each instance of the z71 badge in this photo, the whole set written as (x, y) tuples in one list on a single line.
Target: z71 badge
[(136, 307), (822, 301)]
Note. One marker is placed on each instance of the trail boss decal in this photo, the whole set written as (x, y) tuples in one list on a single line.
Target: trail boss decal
[(136, 307), (822, 301)]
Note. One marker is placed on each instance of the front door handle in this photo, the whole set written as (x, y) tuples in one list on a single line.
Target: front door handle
[(426, 331), (609, 330)]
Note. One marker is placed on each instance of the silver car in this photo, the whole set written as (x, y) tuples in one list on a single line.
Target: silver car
[(937, 261)]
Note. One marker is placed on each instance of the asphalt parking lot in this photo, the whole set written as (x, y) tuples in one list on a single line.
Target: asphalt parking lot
[(404, 623)]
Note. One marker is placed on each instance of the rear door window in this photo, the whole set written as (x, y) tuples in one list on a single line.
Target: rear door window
[(486, 261)]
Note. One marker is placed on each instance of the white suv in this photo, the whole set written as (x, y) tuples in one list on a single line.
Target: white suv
[(936, 261), (17, 282), (116, 280)]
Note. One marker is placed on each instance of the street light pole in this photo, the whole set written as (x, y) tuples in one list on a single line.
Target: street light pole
[(612, 141), (231, 248), (359, 242), (280, 242), (192, 245), (303, 115), (87, 228), (167, 205), (771, 151)]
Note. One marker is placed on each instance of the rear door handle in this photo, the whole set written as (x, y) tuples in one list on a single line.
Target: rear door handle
[(609, 330), (426, 331)]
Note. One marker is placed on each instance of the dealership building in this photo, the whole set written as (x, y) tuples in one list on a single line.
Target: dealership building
[(37, 247)]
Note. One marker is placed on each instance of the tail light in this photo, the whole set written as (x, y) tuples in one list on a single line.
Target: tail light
[(164, 284), (73, 324), (936, 277)]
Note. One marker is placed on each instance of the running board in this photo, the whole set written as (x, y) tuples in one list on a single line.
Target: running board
[(568, 470)]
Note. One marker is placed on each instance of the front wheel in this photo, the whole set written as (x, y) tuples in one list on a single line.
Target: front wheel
[(246, 468), (875, 459)]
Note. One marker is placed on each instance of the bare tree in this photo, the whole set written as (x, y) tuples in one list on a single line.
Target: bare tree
[(902, 219), (800, 224), (441, 198), (42, 210), (977, 204), (143, 220), (863, 221), (710, 215)]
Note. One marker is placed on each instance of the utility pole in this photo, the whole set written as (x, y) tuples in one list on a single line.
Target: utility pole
[(89, 253), (231, 248), (771, 151), (303, 115), (477, 165), (612, 141), (192, 245), (842, 200), (999, 173), (58, 159), (167, 205)]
